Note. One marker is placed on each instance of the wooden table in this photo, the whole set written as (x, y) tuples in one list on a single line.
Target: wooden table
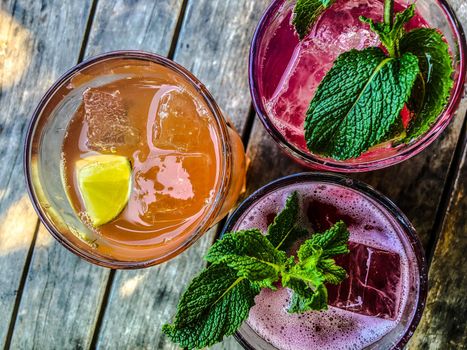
[(49, 298)]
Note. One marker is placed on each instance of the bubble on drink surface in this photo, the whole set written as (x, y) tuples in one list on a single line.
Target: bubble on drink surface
[(84, 236), (107, 120)]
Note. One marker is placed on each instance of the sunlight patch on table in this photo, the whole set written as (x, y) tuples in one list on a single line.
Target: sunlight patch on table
[(44, 238), (15, 50), (130, 286), (17, 225)]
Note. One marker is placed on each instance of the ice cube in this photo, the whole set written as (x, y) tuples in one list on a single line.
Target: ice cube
[(374, 284), (107, 120), (179, 121)]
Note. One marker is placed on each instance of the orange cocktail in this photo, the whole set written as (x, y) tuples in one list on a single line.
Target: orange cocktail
[(187, 166)]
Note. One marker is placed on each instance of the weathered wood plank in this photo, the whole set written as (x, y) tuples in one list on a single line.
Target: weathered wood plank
[(213, 44), (266, 154), (59, 303), (133, 25), (62, 297), (151, 293), (227, 344), (31, 57), (443, 325)]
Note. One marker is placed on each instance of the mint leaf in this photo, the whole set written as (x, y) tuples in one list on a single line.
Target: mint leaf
[(391, 34), (215, 305), (250, 254), (301, 303), (358, 102), (332, 272), (306, 12), (307, 283), (315, 268), (435, 81), (283, 232), (333, 241)]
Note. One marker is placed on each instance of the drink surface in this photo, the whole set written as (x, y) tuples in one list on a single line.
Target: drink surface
[(163, 126), (291, 70), (370, 303)]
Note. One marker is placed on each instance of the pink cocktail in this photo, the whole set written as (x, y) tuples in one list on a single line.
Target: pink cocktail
[(381, 301), (285, 73)]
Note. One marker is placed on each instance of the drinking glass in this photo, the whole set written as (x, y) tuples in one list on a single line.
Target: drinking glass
[(416, 286), (437, 13), (42, 159)]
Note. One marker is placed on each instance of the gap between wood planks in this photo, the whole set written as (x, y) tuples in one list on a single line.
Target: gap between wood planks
[(29, 255), (87, 31), (245, 136), (19, 294), (83, 48)]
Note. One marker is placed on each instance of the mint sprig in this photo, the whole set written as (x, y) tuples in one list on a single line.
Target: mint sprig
[(250, 254), (358, 103), (391, 32), (218, 300), (316, 267)]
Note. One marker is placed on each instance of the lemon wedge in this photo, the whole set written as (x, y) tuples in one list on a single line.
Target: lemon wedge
[(104, 183)]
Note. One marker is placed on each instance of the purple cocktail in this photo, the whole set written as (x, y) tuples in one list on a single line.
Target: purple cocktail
[(285, 74), (381, 301)]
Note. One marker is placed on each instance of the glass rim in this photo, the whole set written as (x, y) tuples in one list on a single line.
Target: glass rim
[(329, 164), (380, 199), (225, 164)]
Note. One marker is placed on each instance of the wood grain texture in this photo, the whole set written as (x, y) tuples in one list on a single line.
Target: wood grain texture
[(213, 43), (443, 325), (133, 25), (59, 303), (62, 297), (31, 58)]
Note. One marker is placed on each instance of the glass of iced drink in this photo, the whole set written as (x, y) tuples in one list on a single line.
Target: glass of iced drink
[(285, 73), (129, 160), (378, 305)]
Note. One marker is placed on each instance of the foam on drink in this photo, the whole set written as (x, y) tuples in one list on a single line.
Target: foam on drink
[(370, 228)]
